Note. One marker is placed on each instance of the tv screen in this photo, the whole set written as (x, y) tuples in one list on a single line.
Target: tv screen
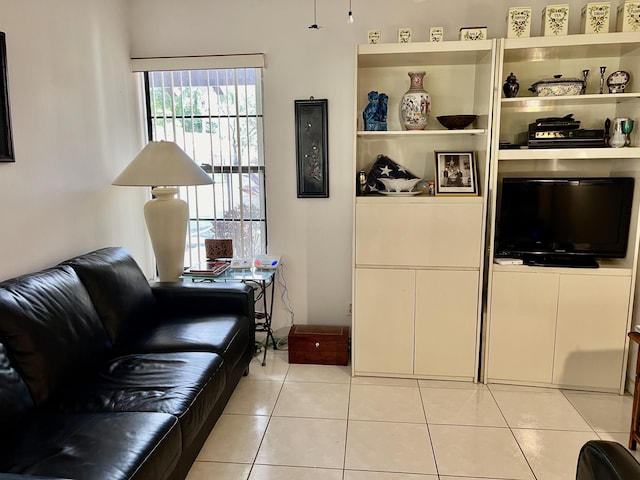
[(554, 218)]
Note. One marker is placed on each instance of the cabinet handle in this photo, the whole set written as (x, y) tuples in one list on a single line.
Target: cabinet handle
[(317, 344)]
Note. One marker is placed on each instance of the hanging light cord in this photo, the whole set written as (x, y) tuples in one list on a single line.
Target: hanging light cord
[(350, 17), (315, 21)]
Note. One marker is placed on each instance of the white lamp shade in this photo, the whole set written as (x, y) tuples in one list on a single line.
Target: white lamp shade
[(162, 164)]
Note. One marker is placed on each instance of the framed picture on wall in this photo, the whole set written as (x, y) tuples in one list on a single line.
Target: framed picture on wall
[(6, 141), (456, 174), (312, 148)]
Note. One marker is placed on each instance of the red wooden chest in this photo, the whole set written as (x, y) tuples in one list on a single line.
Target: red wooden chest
[(319, 344)]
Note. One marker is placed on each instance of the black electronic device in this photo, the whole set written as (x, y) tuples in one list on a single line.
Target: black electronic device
[(565, 138), (555, 123), (560, 132), (564, 221)]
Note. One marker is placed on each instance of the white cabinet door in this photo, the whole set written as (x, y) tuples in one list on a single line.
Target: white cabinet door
[(591, 331), (383, 327), (446, 319), (419, 234), (522, 328)]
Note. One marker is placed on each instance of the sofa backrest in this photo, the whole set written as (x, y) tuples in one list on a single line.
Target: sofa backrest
[(50, 329), (118, 288), (15, 398)]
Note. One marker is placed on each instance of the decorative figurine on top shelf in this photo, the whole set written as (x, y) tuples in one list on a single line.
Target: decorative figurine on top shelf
[(375, 113), (383, 106), (511, 86), (370, 113), (404, 35), (436, 34)]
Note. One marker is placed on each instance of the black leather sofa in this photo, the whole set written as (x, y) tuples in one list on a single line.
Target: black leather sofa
[(604, 460), (104, 376)]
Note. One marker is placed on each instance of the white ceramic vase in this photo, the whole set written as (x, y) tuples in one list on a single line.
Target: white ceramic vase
[(415, 104)]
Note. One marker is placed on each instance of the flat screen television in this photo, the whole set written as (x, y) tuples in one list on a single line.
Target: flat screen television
[(564, 221)]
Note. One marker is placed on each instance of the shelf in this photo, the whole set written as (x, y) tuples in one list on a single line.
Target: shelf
[(591, 99), (570, 47), (569, 153), (423, 53), (424, 198), (420, 133), (608, 267)]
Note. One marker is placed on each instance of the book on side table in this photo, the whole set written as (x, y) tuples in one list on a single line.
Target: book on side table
[(213, 268)]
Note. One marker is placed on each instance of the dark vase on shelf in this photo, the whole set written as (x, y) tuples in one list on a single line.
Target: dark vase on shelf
[(511, 86)]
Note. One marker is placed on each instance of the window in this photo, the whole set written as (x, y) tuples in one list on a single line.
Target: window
[(215, 115)]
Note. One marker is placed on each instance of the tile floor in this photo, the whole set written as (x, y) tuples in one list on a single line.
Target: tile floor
[(313, 422)]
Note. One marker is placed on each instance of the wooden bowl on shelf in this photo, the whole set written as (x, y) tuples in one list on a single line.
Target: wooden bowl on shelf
[(456, 122)]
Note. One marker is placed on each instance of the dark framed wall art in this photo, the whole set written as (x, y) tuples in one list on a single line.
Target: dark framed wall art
[(6, 142), (312, 153)]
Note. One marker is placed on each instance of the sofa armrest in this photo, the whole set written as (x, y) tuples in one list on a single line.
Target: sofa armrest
[(604, 460), (180, 298)]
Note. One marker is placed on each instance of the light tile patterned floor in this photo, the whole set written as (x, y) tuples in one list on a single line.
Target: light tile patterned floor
[(313, 422)]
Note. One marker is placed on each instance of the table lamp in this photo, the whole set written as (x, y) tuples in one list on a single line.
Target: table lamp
[(165, 166)]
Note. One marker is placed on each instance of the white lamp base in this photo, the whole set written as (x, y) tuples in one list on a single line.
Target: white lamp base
[(167, 218)]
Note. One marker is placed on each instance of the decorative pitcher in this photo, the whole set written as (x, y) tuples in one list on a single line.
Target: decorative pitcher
[(415, 104), (618, 139)]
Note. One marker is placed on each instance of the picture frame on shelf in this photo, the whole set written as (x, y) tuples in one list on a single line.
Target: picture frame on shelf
[(6, 140), (312, 148), (456, 173)]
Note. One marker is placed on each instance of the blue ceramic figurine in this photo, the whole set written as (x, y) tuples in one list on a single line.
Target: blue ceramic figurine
[(375, 113)]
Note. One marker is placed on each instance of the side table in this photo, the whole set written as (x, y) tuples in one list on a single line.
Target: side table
[(263, 280), (634, 434)]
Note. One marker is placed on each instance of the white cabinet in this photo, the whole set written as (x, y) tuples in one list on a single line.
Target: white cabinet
[(383, 333), (523, 322), (446, 323), (418, 260), (416, 286), (557, 326), (558, 329), (591, 330)]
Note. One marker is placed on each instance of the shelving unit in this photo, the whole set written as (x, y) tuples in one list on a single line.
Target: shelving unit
[(562, 327), (418, 261)]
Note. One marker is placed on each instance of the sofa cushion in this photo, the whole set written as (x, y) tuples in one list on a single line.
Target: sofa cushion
[(15, 399), (183, 384), (50, 329), (118, 288), (95, 446), (227, 335)]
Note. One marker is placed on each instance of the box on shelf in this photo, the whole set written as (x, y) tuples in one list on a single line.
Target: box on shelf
[(319, 344), (595, 17), (404, 35), (436, 34), (473, 33), (628, 18), (555, 20), (519, 22), (373, 37)]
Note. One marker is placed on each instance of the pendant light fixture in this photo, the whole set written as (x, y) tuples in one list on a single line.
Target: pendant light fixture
[(350, 18), (314, 25)]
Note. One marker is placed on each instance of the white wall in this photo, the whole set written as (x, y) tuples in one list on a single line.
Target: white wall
[(313, 235), (74, 108)]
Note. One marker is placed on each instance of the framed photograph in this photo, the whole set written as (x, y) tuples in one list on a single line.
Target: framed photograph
[(456, 174), (312, 148), (6, 141)]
